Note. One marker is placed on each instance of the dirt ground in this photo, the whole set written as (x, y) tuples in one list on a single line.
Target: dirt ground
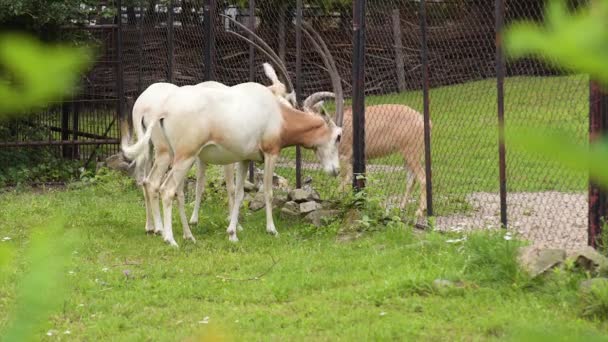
[(547, 219)]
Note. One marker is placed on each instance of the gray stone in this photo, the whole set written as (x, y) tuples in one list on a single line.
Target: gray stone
[(250, 187), (292, 206), (278, 200), (99, 166), (300, 195), (280, 182), (287, 213), (442, 283), (538, 261), (315, 195), (117, 162), (309, 206), (588, 285), (318, 217), (591, 260), (257, 202)]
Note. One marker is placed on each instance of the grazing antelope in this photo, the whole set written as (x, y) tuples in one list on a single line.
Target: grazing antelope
[(224, 126), (389, 128)]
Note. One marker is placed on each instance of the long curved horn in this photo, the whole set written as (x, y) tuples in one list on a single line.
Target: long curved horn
[(330, 64), (315, 98), (276, 59)]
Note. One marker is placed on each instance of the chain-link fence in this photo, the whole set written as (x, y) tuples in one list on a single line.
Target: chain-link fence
[(446, 49)]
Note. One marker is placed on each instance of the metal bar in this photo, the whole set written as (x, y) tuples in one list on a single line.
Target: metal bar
[(358, 94), (209, 43), (65, 121), (105, 134), (120, 94), (251, 65), (170, 41), (60, 142), (140, 48), (598, 197), (75, 133), (427, 109), (75, 126), (500, 82), (299, 7)]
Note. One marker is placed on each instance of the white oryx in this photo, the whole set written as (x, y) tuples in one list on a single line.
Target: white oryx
[(224, 126), (147, 109)]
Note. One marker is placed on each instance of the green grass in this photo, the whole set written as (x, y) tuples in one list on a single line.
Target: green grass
[(377, 287), (465, 137)]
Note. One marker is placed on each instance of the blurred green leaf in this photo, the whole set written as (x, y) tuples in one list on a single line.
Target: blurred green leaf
[(35, 73), (577, 41), (554, 145), (41, 289)]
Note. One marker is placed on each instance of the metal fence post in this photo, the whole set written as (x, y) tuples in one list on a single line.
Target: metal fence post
[(65, 130), (427, 110), (140, 47), (75, 129), (119, 66), (500, 80), (251, 65), (170, 41), (358, 94), (598, 197), (298, 84), (209, 44)]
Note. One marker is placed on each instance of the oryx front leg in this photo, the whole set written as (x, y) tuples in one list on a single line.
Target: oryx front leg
[(187, 234), (152, 187), (269, 162), (169, 189), (149, 214), (238, 199), (229, 178), (409, 184), (200, 189)]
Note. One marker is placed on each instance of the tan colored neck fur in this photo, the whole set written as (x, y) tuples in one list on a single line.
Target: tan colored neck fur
[(300, 128)]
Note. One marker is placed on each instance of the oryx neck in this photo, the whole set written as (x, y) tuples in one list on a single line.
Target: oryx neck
[(300, 128)]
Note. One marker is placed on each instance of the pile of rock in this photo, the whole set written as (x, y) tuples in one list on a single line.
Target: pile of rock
[(297, 203), (539, 261)]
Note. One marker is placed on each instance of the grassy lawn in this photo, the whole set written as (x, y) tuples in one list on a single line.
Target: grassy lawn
[(125, 286), (465, 137)]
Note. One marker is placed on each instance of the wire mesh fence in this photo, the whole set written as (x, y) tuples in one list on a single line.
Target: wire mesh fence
[(446, 48)]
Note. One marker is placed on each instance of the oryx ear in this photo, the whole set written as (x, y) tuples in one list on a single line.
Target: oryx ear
[(270, 73)]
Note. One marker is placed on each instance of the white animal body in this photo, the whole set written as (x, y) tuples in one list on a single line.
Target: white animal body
[(224, 126), (146, 109)]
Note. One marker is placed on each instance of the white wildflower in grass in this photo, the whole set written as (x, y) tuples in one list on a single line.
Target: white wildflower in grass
[(67, 332), (205, 320), (382, 313), (508, 236), (71, 272), (105, 269), (456, 240), (6, 238)]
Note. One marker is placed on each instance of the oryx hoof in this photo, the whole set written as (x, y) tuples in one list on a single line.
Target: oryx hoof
[(232, 236), (172, 243), (190, 237)]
